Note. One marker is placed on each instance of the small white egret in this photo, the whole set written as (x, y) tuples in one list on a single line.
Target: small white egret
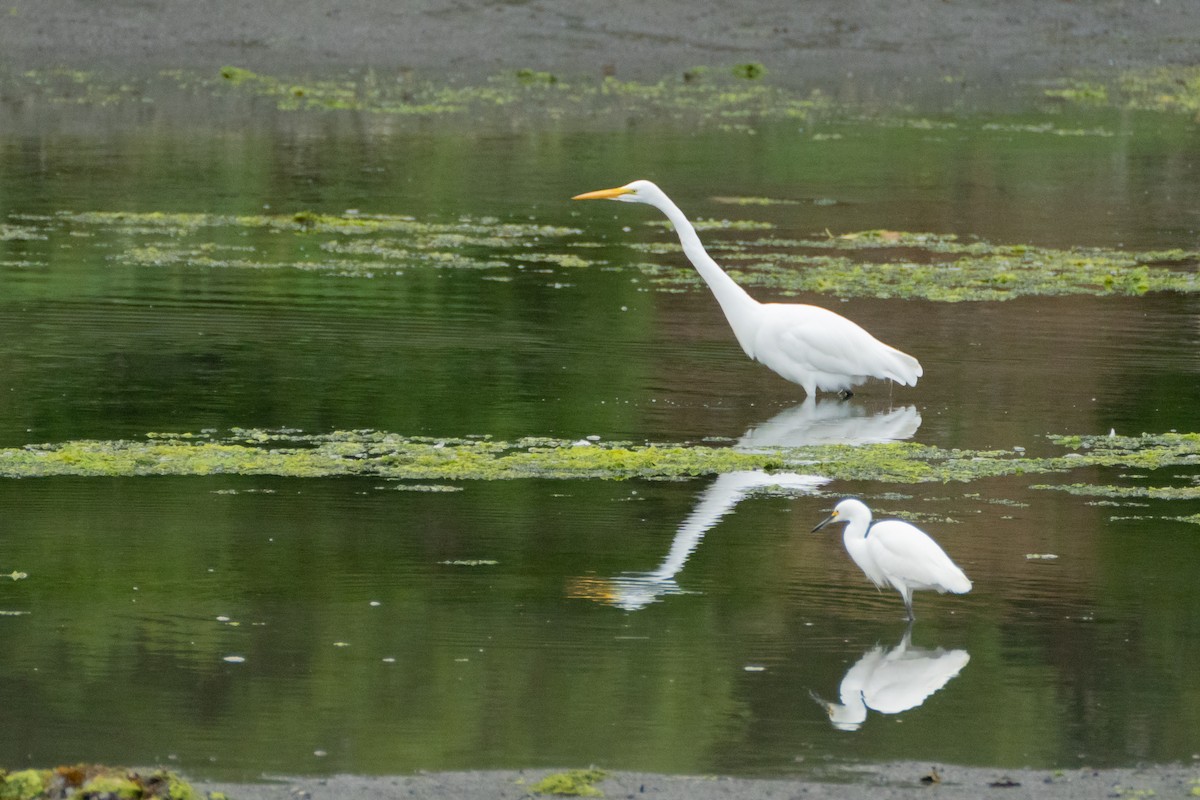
[(895, 553), (805, 344)]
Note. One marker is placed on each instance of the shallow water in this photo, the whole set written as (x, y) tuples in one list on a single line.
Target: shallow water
[(237, 625)]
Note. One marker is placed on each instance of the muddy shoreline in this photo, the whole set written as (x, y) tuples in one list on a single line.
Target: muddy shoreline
[(901, 51), (901, 780)]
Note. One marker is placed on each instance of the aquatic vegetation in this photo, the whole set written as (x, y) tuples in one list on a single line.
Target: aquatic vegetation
[(1153, 492), (24, 785), (702, 95), (1173, 88), (1082, 92), (95, 782), (348, 244), (1148, 452), (572, 783), (754, 201), (749, 72), (875, 263), (292, 453)]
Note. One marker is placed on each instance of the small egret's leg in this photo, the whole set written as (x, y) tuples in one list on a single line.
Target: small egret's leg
[(906, 594), (845, 394)]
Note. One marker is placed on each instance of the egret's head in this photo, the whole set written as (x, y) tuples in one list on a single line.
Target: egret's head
[(636, 192), (847, 510)]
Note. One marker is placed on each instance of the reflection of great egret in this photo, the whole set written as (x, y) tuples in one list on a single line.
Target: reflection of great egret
[(808, 345), (891, 681), (808, 423), (634, 590), (896, 553), (831, 422)]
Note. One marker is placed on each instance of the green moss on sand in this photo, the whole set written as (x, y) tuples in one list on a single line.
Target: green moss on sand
[(94, 782), (572, 783)]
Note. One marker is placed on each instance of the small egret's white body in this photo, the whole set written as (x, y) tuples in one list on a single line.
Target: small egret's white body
[(895, 553), (808, 345)]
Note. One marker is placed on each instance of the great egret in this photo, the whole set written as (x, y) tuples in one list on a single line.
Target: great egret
[(896, 553), (808, 345)]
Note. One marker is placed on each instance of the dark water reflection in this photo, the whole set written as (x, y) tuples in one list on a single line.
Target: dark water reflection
[(237, 625)]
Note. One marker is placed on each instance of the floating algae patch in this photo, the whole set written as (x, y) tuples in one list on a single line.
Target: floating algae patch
[(1152, 492), (937, 267), (1173, 88), (346, 244), (878, 263), (372, 453), (385, 455), (1148, 452), (95, 782)]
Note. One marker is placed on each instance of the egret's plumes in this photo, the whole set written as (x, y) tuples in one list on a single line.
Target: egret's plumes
[(808, 345), (894, 553)]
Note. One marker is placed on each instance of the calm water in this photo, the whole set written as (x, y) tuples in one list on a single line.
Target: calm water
[(235, 626)]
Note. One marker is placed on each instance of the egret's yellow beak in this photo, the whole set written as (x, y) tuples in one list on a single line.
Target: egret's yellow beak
[(603, 194)]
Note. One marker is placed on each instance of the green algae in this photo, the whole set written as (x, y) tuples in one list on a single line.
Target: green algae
[(874, 263), (1152, 492), (1147, 453), (26, 784), (730, 98), (572, 783), (1173, 89), (938, 267), (118, 787), (347, 244), (291, 453), (751, 71), (94, 782)]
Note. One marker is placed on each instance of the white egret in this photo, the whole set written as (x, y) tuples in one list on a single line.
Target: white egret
[(805, 344), (895, 553)]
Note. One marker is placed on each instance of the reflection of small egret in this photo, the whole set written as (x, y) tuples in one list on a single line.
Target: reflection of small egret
[(891, 681), (808, 345), (896, 553)]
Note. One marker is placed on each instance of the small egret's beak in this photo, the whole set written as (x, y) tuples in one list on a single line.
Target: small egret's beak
[(604, 194), (831, 518)]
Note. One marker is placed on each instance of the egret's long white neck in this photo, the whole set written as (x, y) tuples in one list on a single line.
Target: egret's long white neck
[(738, 306)]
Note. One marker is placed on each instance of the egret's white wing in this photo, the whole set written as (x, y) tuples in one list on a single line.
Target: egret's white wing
[(803, 338), (906, 552)]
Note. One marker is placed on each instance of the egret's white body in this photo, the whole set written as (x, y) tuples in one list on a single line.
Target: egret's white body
[(808, 345), (895, 553)]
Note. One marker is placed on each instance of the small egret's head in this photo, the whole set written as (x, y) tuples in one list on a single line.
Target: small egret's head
[(636, 192), (845, 511)]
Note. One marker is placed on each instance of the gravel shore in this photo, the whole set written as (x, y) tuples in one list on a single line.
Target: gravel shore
[(880, 782), (862, 46)]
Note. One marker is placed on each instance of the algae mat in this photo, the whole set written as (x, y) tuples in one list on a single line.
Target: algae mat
[(878, 263), (393, 456)]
